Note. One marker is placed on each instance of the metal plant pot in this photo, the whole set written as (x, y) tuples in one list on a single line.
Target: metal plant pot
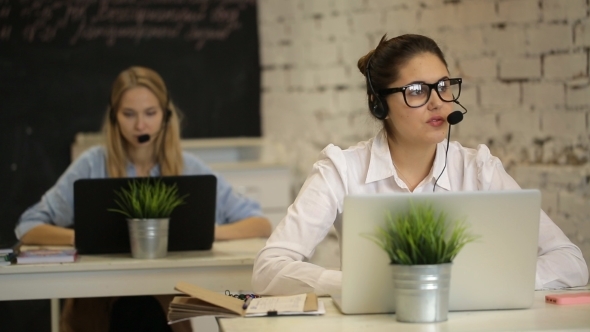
[(421, 292), (148, 237)]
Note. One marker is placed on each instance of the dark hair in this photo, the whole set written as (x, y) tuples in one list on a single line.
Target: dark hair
[(390, 55)]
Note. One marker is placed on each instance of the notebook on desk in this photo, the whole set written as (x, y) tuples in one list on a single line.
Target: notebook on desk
[(497, 271), (99, 231)]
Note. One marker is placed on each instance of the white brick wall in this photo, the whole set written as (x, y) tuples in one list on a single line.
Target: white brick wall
[(548, 37), (520, 11), (501, 96), (558, 10), (527, 85), (520, 68), (565, 124), (577, 94), (478, 68), (566, 66), (544, 95)]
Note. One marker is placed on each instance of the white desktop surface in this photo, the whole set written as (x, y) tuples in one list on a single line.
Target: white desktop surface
[(541, 317), (227, 266)]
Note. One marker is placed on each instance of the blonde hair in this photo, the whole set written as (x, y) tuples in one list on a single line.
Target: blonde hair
[(167, 150)]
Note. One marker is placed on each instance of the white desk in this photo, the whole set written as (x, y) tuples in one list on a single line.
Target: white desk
[(541, 317), (227, 266)]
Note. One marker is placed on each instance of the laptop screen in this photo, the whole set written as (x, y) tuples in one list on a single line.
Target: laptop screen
[(99, 231), (497, 271)]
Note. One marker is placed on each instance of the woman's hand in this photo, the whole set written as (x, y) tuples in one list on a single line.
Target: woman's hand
[(49, 235), (246, 228)]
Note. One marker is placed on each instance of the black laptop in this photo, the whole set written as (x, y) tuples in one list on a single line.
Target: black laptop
[(99, 231)]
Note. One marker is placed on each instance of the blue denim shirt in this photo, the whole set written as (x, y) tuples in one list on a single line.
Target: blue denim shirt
[(57, 204)]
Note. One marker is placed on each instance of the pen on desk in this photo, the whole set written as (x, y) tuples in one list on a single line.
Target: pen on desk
[(245, 305)]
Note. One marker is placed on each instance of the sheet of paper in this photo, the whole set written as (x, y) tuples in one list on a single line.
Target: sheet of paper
[(263, 305), (321, 311)]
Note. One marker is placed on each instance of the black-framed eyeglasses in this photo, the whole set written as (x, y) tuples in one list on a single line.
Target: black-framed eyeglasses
[(418, 94)]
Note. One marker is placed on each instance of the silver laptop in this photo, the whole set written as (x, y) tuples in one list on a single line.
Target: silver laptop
[(497, 271)]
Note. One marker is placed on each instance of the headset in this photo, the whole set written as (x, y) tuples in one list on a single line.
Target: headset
[(378, 107)]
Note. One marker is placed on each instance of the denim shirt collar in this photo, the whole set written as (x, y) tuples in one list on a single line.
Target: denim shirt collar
[(130, 168)]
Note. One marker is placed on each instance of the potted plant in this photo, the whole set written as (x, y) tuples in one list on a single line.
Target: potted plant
[(421, 244), (148, 203)]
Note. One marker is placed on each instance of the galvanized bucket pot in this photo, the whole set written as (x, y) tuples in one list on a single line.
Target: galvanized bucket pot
[(421, 292), (148, 237)]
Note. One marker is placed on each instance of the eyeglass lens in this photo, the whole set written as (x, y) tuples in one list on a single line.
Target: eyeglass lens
[(418, 94)]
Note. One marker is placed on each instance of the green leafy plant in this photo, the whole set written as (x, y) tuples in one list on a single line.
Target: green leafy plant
[(421, 236), (147, 199)]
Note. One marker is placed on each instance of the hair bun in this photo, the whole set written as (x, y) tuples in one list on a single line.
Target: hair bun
[(364, 61)]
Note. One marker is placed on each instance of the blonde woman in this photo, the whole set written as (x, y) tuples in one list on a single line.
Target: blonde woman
[(142, 138), (139, 106)]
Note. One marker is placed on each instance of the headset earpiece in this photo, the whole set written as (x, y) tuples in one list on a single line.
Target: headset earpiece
[(112, 115), (167, 115), (379, 109)]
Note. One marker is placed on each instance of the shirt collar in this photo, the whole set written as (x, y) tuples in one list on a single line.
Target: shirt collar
[(381, 165), (155, 171)]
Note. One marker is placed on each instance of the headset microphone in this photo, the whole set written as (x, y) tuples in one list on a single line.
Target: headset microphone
[(456, 116), (143, 138), (453, 118)]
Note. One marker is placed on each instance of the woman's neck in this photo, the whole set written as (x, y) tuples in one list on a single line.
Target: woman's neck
[(143, 159), (413, 162)]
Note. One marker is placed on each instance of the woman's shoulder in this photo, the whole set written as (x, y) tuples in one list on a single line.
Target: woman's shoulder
[(480, 156), (89, 164), (193, 165), (353, 157), (92, 155), (332, 151)]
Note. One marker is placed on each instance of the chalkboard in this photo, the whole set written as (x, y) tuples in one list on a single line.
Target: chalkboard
[(58, 60)]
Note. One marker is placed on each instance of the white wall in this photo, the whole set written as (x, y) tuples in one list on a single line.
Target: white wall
[(525, 65)]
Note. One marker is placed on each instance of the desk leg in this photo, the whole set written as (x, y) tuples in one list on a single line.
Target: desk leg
[(54, 303)]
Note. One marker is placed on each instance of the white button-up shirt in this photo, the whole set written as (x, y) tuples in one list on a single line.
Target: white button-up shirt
[(367, 168)]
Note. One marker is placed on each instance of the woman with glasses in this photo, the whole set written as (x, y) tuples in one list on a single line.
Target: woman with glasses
[(411, 91)]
